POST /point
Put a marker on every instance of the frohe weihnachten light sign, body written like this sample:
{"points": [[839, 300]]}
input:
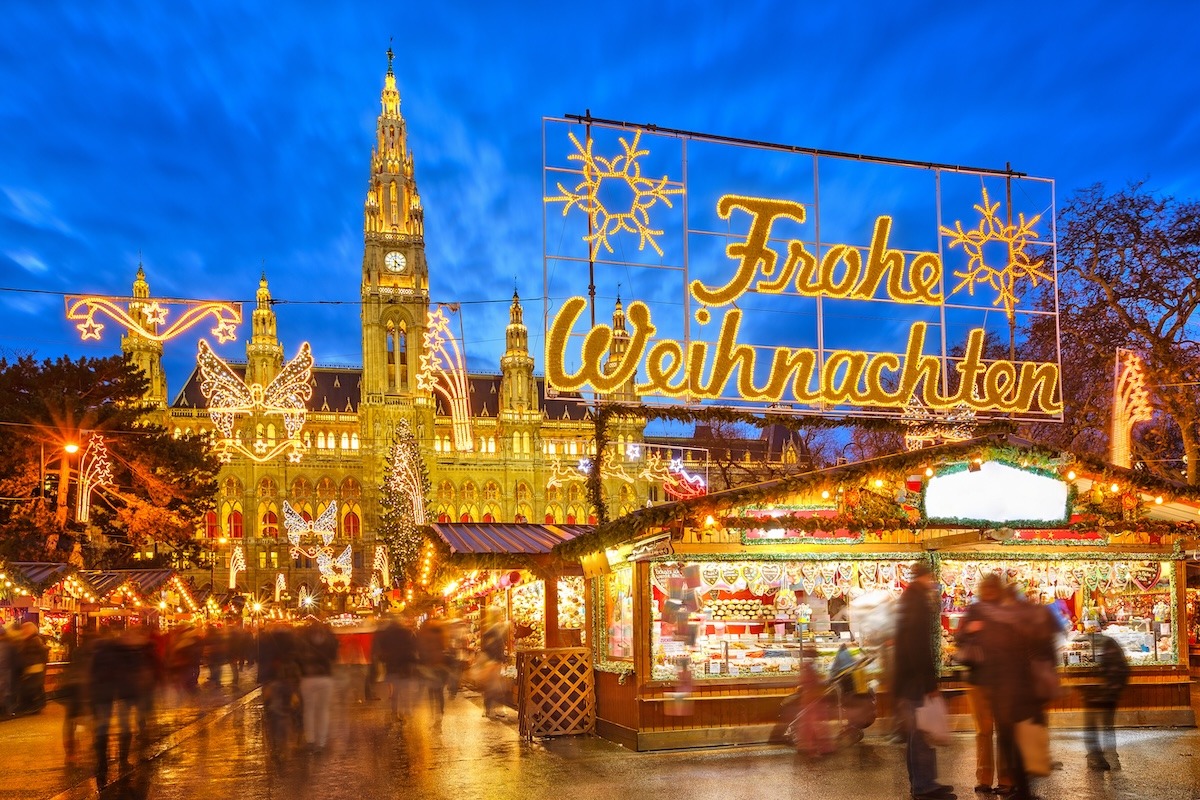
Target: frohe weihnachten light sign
{"points": [[798, 288]]}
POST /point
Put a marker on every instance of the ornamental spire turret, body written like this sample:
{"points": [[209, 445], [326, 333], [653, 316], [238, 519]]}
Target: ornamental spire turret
{"points": [[616, 352], [264, 353], [393, 204], [145, 353], [517, 385]]}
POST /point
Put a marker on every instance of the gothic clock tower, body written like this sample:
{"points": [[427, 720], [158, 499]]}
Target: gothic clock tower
{"points": [[395, 275]]}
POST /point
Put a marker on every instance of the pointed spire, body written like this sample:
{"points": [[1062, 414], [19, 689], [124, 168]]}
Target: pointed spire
{"points": [[264, 294], [390, 97], [390, 56], [516, 315]]}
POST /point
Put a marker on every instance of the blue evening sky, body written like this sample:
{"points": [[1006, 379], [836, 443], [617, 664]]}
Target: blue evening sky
{"points": [[218, 139]]}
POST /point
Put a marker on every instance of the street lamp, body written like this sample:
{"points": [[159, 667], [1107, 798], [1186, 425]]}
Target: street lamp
{"points": [[64, 475]]}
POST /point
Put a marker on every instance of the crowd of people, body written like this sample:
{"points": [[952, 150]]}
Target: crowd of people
{"points": [[411, 664], [1009, 646]]}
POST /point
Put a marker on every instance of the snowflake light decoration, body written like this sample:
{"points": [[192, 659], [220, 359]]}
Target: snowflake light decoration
{"points": [[229, 397], [1020, 265], [623, 168], [444, 370], [83, 309]]}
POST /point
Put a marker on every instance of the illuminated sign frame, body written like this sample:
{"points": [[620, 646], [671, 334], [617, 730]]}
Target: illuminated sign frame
{"points": [[635, 203]]}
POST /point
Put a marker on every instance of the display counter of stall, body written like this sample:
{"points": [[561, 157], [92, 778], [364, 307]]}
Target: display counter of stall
{"points": [[1132, 597], [707, 611]]}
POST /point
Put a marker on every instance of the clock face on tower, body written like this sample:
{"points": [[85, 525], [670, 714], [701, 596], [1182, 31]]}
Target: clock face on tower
{"points": [[395, 261]]}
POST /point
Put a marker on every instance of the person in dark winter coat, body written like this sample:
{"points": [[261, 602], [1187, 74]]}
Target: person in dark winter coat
{"points": [[122, 678], [396, 647], [915, 680], [317, 650], [990, 761], [1011, 635], [1100, 696]]}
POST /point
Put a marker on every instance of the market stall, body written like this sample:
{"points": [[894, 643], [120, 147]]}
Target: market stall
{"points": [[140, 595], [510, 578], [52, 594], [707, 611]]}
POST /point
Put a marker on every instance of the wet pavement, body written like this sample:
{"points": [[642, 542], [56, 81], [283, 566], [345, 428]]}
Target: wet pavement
{"points": [[220, 754]]}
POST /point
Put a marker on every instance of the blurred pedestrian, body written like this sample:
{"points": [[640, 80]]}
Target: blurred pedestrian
{"points": [[121, 680], [915, 680], [431, 658], [8, 665], [990, 762], [1101, 693], [493, 645], [184, 652], [279, 673], [32, 655], [317, 650], [73, 695], [1011, 634], [397, 650], [456, 655]]}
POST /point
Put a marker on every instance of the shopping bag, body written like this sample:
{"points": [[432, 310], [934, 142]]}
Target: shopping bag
{"points": [[933, 720], [1047, 687], [1033, 740]]}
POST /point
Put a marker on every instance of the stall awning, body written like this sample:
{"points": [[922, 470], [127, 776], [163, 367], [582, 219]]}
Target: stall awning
{"points": [[506, 537], [147, 581], [39, 574]]}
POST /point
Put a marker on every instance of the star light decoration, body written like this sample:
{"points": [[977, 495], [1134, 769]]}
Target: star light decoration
{"points": [[237, 563], [1131, 404], [229, 398], [444, 370], [94, 471], [84, 308], [606, 223], [1019, 266]]}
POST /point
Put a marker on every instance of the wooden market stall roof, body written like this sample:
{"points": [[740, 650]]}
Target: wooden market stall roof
{"points": [[146, 581], [1167, 503], [37, 576], [510, 538]]}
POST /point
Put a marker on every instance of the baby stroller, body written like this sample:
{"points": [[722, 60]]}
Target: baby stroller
{"points": [[825, 715]]}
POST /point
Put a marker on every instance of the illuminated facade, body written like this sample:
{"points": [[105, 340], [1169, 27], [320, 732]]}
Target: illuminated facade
{"points": [[496, 448]]}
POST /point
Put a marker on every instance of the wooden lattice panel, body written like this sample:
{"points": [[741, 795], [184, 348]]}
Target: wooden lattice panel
{"points": [[557, 692]]}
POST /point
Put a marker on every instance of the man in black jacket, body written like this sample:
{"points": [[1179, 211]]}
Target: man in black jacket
{"points": [[915, 680]]}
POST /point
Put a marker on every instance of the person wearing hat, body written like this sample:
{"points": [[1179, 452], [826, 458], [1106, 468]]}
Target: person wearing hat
{"points": [[915, 679]]}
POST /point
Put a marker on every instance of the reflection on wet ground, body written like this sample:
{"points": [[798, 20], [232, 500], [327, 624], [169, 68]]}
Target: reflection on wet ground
{"points": [[469, 756]]}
